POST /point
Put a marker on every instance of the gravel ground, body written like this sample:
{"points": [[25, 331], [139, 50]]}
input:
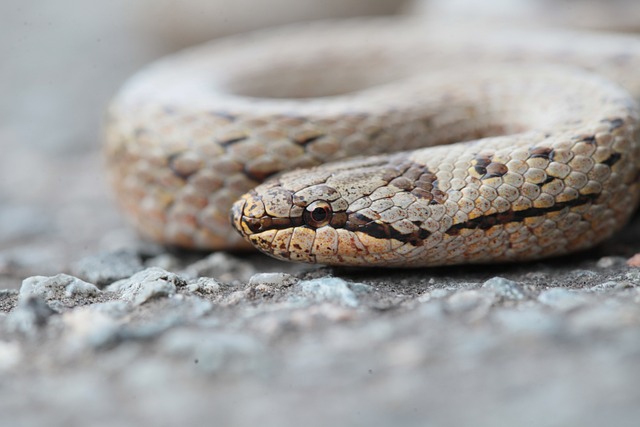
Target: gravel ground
{"points": [[99, 328]]}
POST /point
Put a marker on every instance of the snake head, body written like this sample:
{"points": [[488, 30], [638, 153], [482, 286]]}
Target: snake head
{"points": [[292, 225], [347, 213]]}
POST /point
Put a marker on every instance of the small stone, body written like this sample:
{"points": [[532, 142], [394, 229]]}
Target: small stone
{"points": [[610, 261], [438, 293], [104, 269], [606, 286], [360, 288], [562, 299], [328, 289], [235, 298], [505, 288], [277, 280], [150, 283], [264, 289], [634, 261], [204, 285], [56, 287]]}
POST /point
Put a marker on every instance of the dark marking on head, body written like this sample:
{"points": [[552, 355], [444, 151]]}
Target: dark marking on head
{"points": [[355, 220], [381, 230], [487, 221]]}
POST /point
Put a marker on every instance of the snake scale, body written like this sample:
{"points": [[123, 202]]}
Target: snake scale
{"points": [[405, 145]]}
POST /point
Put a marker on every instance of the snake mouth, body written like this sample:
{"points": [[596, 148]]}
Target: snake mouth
{"points": [[249, 218]]}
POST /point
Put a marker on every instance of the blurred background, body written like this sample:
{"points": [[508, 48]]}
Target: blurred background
{"points": [[62, 61]]}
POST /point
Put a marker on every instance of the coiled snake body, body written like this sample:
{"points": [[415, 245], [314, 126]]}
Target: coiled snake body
{"points": [[550, 162]]}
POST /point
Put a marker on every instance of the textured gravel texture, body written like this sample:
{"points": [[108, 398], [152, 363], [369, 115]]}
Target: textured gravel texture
{"points": [[99, 328]]}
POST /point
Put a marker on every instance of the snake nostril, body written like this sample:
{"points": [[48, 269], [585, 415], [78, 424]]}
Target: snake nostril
{"points": [[318, 214], [254, 224]]}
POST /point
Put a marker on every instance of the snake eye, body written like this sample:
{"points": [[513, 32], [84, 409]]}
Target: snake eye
{"points": [[317, 214]]}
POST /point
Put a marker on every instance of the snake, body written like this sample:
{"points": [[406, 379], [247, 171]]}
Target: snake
{"points": [[383, 142]]}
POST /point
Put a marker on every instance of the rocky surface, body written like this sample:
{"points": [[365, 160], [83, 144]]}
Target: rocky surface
{"points": [[99, 328], [245, 340]]}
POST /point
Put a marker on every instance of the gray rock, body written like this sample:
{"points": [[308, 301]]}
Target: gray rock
{"points": [[220, 266], [56, 287], [204, 285], [106, 268], [607, 286], [505, 288], [277, 280], [435, 294], [236, 297], [611, 261], [150, 283], [329, 289], [563, 299], [360, 288]]}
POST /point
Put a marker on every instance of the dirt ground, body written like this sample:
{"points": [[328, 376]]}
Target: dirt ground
{"points": [[98, 327]]}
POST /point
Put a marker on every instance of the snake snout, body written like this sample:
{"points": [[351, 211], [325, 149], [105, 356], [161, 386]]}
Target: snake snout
{"points": [[236, 215]]}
